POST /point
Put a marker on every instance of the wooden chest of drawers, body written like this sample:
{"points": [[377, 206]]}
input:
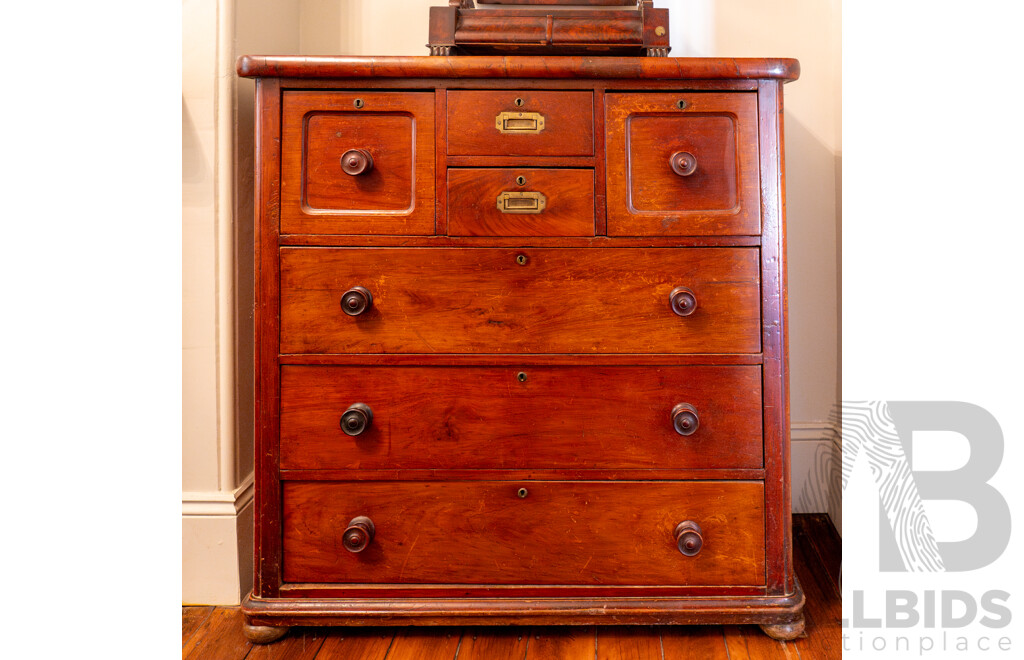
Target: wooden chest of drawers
{"points": [[521, 343]]}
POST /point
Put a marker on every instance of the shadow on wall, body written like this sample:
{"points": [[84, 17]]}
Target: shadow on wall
{"points": [[813, 307], [194, 167]]}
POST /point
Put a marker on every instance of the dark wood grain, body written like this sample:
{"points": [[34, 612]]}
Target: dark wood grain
{"points": [[353, 643], [482, 300], [693, 643], [220, 636], [488, 418], [564, 643], [472, 195], [191, 619], [425, 644], [568, 128], [396, 196], [559, 533], [636, 643], [645, 195], [494, 643], [515, 67]]}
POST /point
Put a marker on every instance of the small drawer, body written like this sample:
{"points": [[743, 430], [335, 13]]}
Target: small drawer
{"points": [[703, 533], [357, 163], [520, 202], [520, 123], [524, 417], [520, 300], [683, 164]]}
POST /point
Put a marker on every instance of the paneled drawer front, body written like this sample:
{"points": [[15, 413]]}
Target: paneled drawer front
{"points": [[682, 171], [520, 123], [357, 163], [520, 202], [526, 417], [520, 300], [582, 533]]}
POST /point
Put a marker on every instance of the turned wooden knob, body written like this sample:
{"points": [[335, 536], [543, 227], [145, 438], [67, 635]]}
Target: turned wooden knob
{"points": [[358, 534], [356, 161], [683, 301], [356, 419], [356, 300], [683, 163], [685, 419], [689, 538]]}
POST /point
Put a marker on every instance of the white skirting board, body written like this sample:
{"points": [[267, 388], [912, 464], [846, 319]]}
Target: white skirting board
{"points": [[216, 546], [816, 464], [216, 528]]}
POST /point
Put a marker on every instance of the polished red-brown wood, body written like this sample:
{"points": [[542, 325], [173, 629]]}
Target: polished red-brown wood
{"points": [[266, 312], [357, 162], [462, 29], [774, 303], [556, 317], [638, 69], [651, 137], [520, 301], [568, 195], [521, 417], [568, 123], [555, 533]]}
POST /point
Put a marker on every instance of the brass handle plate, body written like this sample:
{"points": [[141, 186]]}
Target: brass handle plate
{"points": [[522, 202], [522, 123]]}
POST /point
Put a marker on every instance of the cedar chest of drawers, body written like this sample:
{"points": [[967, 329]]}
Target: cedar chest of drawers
{"points": [[521, 343]]}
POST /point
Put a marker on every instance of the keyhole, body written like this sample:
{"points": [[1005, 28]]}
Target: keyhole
{"points": [[358, 103], [521, 180], [681, 104], [519, 103]]}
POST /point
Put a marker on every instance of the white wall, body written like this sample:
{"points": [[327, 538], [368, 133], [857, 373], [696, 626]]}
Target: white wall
{"points": [[217, 231]]}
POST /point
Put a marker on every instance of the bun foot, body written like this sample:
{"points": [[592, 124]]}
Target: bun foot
{"points": [[263, 634], [784, 632]]}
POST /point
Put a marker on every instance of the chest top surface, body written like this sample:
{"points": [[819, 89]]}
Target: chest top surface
{"points": [[651, 68]]}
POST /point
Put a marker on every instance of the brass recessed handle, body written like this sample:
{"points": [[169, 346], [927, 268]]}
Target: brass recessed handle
{"points": [[689, 538], [356, 301], [356, 161], [523, 123], [357, 419], [685, 419], [683, 163], [522, 202], [358, 535]]}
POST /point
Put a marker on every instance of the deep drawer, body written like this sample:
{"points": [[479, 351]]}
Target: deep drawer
{"points": [[599, 418], [520, 123], [521, 300], [520, 202], [572, 533]]}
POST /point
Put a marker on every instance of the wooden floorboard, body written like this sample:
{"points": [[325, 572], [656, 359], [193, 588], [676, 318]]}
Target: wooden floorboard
{"points": [[215, 633], [191, 619]]}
